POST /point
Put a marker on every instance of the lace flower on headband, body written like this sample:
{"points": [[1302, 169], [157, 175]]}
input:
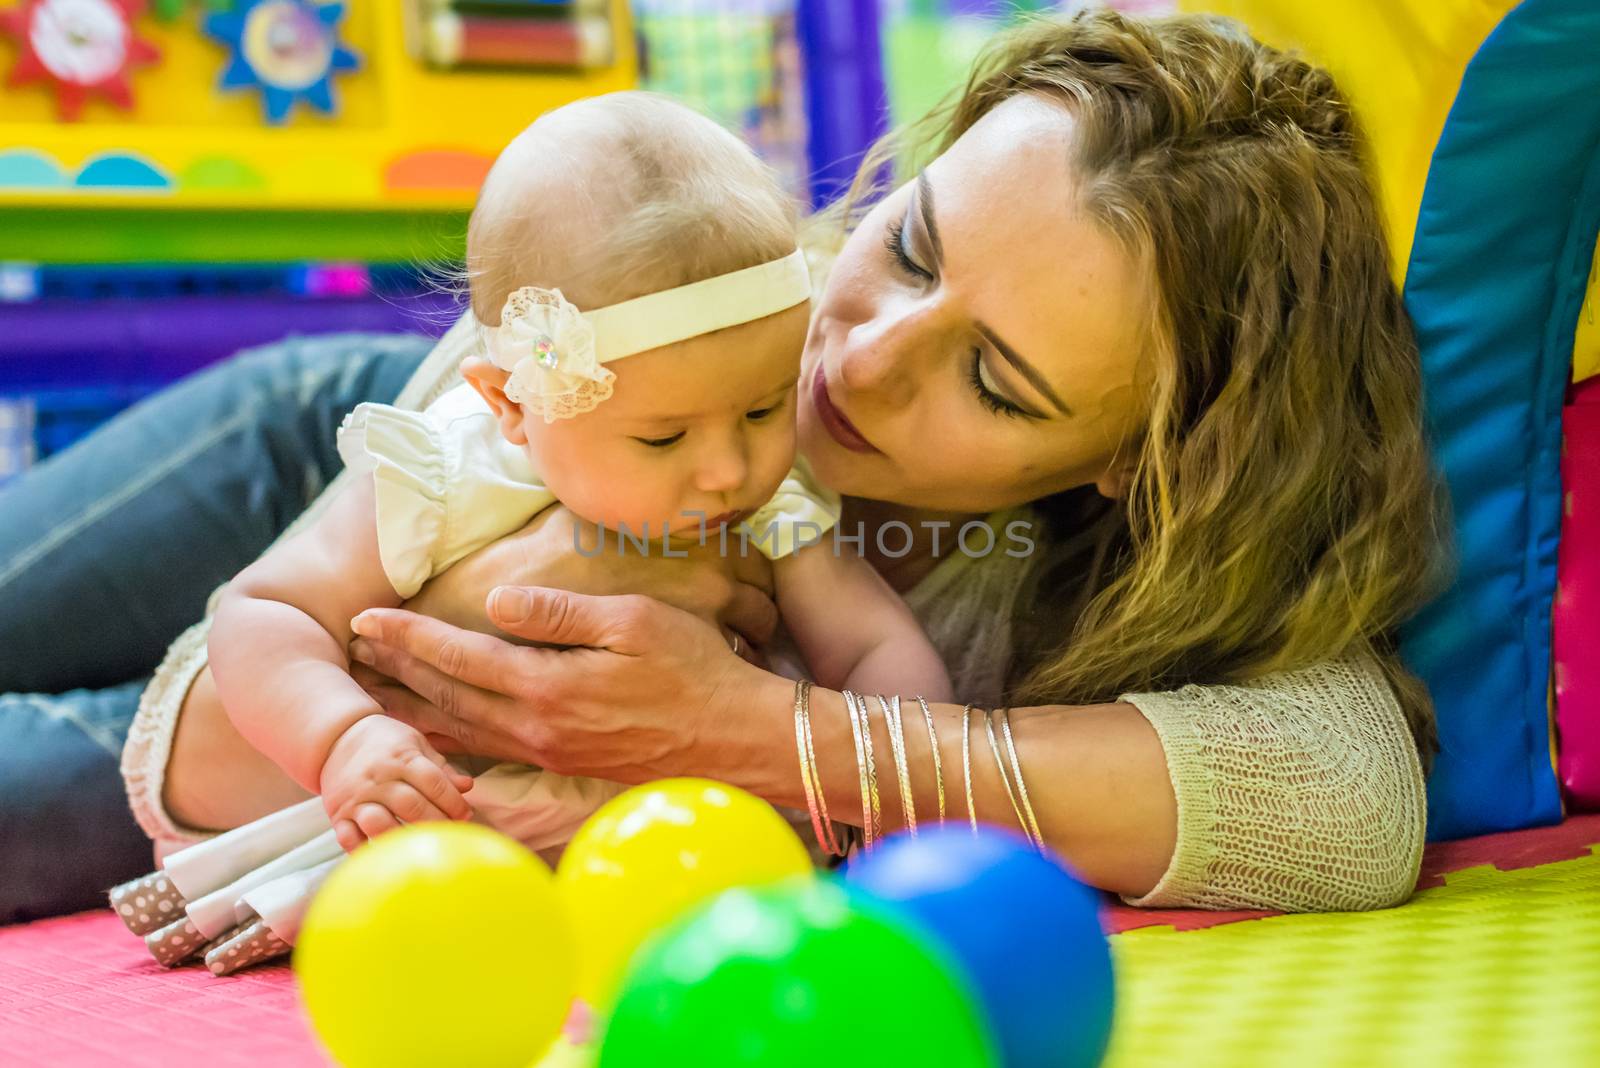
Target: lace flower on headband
{"points": [[549, 349]]}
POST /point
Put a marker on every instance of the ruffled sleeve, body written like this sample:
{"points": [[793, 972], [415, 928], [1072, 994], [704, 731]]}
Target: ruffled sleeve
{"points": [[799, 514], [447, 482], [405, 454]]}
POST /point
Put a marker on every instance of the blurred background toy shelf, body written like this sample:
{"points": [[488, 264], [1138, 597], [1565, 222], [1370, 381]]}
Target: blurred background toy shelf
{"points": [[180, 179]]}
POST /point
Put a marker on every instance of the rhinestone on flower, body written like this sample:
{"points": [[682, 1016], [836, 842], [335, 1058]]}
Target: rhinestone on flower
{"points": [[544, 350]]}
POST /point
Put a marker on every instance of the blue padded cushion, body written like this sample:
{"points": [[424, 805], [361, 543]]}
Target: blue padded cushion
{"points": [[1503, 243]]}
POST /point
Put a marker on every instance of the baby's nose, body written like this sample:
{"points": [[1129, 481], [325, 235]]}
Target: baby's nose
{"points": [[722, 471]]}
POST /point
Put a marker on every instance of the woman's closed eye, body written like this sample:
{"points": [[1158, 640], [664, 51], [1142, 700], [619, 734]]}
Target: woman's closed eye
{"points": [[988, 391], [895, 242]]}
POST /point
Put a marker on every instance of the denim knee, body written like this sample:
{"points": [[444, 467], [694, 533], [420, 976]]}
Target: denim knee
{"points": [[66, 835]]}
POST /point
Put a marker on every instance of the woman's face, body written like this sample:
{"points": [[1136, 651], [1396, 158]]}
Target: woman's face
{"points": [[978, 341]]}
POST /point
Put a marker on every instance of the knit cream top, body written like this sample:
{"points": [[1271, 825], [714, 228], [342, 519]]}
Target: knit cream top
{"points": [[1300, 791]]}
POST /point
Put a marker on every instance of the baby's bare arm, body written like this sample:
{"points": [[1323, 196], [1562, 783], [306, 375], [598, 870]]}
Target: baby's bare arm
{"points": [[853, 630], [277, 645]]}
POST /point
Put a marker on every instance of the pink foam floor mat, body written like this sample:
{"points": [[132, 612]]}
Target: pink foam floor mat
{"points": [[80, 991]]}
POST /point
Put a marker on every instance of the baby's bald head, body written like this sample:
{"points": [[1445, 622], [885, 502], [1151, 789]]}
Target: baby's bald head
{"points": [[617, 196]]}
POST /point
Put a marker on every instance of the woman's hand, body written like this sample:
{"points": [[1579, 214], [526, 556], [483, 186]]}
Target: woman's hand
{"points": [[731, 590], [645, 690]]}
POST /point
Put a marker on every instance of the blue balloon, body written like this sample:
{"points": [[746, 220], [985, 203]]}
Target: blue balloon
{"points": [[1025, 931]]}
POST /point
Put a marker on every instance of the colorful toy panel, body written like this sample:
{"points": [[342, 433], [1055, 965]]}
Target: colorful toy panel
{"points": [[284, 104]]}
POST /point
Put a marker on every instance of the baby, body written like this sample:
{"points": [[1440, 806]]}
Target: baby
{"points": [[643, 306]]}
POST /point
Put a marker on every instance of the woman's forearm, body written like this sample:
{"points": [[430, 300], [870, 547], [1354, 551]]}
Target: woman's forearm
{"points": [[1096, 775]]}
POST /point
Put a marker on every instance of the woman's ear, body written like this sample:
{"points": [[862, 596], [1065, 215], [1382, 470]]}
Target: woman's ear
{"points": [[490, 382], [1117, 478]]}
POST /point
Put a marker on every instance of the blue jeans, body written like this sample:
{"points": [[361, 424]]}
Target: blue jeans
{"points": [[109, 550]]}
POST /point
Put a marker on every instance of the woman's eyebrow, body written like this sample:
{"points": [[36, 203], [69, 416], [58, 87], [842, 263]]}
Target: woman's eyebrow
{"points": [[1025, 369], [1022, 367]]}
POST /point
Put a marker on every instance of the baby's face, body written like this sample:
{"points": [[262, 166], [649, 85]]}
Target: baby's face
{"points": [[704, 426]]}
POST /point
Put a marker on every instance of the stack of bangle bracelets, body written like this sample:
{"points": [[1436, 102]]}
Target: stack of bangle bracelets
{"points": [[835, 839]]}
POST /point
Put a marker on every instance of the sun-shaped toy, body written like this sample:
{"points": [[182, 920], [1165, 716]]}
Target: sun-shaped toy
{"points": [[289, 49], [83, 46]]}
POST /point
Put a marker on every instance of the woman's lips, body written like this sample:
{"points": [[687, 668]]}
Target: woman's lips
{"points": [[833, 421]]}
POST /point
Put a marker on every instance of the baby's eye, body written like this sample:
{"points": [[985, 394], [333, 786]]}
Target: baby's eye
{"points": [[758, 414], [660, 443]]}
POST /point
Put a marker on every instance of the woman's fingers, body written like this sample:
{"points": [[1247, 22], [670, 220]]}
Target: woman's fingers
{"points": [[454, 717], [558, 617], [751, 613], [443, 693], [368, 678], [477, 659]]}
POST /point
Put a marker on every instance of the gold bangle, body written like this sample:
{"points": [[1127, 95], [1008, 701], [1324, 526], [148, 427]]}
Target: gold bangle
{"points": [[832, 843], [809, 778], [1022, 787], [1005, 777], [861, 728], [897, 746], [966, 765], [933, 743], [872, 770]]}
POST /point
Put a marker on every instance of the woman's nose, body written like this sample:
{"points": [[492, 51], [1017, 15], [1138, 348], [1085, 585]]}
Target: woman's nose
{"points": [[880, 356]]}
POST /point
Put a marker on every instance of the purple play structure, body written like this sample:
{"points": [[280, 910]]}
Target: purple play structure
{"points": [[70, 362]]}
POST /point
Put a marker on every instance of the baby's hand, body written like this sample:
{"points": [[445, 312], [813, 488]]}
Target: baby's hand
{"points": [[382, 773]]}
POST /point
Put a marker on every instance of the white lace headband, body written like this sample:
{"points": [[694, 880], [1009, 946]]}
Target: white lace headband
{"points": [[555, 353]]}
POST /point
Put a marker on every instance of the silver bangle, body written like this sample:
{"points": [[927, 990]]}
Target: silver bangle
{"points": [[897, 746], [966, 765], [1005, 776], [1022, 787], [861, 728], [933, 743]]}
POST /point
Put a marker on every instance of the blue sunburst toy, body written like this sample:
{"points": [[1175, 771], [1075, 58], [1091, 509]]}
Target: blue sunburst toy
{"points": [[289, 49]]}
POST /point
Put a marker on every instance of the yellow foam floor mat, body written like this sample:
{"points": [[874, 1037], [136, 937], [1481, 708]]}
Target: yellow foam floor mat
{"points": [[1492, 968]]}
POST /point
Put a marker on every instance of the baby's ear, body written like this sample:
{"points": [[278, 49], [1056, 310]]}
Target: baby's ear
{"points": [[490, 382]]}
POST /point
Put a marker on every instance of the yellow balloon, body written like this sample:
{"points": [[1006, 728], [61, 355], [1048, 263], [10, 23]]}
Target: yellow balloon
{"points": [[439, 943], [649, 854]]}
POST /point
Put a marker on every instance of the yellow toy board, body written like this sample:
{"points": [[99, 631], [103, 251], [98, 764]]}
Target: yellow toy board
{"points": [[403, 135]]}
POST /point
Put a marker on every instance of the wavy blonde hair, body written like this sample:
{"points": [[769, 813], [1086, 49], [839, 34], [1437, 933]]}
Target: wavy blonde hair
{"points": [[1282, 509]]}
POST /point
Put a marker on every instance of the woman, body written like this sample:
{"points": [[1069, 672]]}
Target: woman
{"points": [[1139, 304]]}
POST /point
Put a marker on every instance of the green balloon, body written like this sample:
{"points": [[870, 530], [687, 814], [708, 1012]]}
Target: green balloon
{"points": [[795, 973]]}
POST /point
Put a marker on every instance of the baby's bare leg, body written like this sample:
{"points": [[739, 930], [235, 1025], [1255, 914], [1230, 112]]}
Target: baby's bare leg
{"points": [[215, 779]]}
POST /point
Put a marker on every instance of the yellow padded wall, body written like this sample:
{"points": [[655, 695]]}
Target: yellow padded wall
{"points": [[1400, 62], [1586, 346]]}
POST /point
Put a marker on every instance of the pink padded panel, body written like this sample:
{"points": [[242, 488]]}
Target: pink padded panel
{"points": [[1577, 605]]}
